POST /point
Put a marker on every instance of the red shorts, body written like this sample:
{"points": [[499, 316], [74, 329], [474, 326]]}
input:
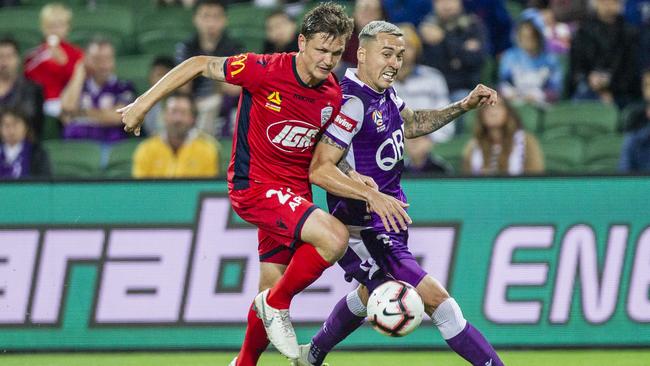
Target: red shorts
{"points": [[279, 214]]}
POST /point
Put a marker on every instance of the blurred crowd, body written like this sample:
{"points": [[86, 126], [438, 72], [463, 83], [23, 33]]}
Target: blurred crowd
{"points": [[573, 77]]}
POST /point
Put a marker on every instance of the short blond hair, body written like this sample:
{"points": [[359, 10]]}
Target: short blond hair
{"points": [[57, 11]]}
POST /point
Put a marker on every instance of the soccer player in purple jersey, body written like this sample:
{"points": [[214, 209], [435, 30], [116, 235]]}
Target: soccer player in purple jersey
{"points": [[371, 127]]}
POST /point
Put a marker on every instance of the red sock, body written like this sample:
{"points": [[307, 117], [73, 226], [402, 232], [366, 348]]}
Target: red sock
{"points": [[305, 268], [255, 341]]}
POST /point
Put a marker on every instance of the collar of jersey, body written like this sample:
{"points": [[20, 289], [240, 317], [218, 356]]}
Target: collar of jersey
{"points": [[351, 74], [295, 73]]}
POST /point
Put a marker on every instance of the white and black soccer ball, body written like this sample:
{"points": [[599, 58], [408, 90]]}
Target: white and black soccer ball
{"points": [[395, 308]]}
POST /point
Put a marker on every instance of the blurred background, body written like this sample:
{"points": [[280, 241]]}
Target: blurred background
{"points": [[534, 212]]}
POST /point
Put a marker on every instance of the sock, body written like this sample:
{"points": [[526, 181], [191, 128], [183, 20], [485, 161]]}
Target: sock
{"points": [[255, 341], [462, 337], [348, 315], [305, 268]]}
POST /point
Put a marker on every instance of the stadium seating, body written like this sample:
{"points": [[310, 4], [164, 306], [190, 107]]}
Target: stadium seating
{"points": [[452, 151], [74, 159], [113, 22], [161, 41], [120, 159], [583, 119], [23, 25], [602, 153], [562, 154], [530, 117], [136, 69]]}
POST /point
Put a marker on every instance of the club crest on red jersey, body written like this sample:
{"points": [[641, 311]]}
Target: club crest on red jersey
{"points": [[326, 114], [291, 135]]}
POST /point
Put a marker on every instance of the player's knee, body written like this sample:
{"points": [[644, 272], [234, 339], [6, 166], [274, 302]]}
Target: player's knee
{"points": [[339, 239], [333, 239], [432, 293]]}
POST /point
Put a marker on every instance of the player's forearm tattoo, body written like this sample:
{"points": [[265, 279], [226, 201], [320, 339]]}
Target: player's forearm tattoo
{"points": [[423, 122], [329, 141], [344, 166]]}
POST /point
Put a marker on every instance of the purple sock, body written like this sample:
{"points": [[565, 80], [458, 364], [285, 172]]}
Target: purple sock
{"points": [[341, 323], [472, 346]]}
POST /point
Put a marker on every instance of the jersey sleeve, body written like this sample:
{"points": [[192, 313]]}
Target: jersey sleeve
{"points": [[397, 100], [246, 70], [348, 122]]}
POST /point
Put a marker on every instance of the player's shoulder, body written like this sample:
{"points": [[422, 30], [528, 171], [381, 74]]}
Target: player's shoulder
{"points": [[353, 107]]}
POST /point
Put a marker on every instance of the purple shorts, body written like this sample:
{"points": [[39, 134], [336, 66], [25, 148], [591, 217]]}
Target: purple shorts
{"points": [[376, 256]]}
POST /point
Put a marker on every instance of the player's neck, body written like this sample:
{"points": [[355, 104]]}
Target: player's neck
{"points": [[368, 81], [303, 72]]}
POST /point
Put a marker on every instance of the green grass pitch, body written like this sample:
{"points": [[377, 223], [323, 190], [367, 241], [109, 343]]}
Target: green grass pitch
{"points": [[341, 358]]}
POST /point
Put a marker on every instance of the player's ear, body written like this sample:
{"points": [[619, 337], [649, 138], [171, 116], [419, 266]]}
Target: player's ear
{"points": [[302, 43], [361, 54]]}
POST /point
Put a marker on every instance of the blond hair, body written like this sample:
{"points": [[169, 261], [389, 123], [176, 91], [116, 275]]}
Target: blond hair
{"points": [[55, 11]]}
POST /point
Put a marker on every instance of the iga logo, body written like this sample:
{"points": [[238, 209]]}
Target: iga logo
{"points": [[291, 135]]}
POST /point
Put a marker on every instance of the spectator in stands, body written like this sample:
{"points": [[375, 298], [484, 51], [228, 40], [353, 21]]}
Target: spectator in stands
{"points": [[20, 155], [421, 87], [365, 11], [182, 151], [153, 123], [91, 98], [497, 21], [500, 145], [52, 63], [569, 11], [16, 91], [637, 12], [604, 63], [406, 11], [454, 43], [528, 73], [210, 39], [281, 35], [557, 34], [635, 155]]}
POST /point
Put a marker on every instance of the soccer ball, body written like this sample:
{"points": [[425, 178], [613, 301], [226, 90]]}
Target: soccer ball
{"points": [[395, 308]]}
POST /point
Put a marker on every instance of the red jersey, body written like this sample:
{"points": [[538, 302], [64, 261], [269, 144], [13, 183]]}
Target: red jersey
{"points": [[41, 68], [279, 119]]}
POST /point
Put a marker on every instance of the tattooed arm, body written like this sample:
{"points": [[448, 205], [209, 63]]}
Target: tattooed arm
{"points": [[210, 67], [325, 173], [422, 122]]}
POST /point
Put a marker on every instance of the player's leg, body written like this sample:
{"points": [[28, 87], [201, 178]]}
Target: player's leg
{"points": [[255, 340], [346, 317], [350, 312], [459, 334], [327, 239], [273, 262]]}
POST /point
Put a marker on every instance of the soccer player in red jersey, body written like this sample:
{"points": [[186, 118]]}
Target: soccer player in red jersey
{"points": [[286, 101]]}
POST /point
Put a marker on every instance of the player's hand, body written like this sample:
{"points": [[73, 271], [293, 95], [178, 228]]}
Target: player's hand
{"points": [[390, 210], [132, 117], [479, 97], [354, 175]]}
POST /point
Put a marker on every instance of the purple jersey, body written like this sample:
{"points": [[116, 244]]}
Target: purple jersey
{"points": [[371, 127], [113, 93]]}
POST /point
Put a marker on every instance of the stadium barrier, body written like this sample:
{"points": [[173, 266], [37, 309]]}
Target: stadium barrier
{"points": [[534, 262]]}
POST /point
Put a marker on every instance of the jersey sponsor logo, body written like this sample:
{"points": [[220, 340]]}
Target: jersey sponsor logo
{"points": [[291, 135], [304, 98], [237, 64], [273, 101], [378, 119], [345, 122], [391, 151], [326, 114]]}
